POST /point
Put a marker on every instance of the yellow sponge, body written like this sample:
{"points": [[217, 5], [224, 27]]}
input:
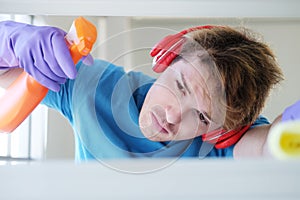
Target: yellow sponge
{"points": [[284, 140]]}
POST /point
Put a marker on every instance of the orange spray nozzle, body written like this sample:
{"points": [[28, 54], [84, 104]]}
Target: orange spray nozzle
{"points": [[81, 38], [25, 93]]}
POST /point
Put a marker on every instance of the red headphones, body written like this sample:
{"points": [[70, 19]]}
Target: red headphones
{"points": [[164, 52]]}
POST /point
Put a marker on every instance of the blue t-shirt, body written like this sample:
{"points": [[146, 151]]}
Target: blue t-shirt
{"points": [[103, 105]]}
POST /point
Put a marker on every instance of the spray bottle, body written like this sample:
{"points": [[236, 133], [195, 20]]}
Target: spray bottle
{"points": [[25, 93]]}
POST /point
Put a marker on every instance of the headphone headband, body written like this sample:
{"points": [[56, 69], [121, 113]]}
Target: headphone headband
{"points": [[166, 50]]}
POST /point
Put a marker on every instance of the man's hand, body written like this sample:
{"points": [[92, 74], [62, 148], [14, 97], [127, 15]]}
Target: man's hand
{"points": [[292, 112], [40, 50]]}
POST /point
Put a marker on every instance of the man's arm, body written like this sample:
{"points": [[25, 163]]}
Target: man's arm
{"points": [[254, 142]]}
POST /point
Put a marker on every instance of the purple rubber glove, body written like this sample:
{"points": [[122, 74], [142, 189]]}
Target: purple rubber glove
{"points": [[292, 112], [40, 50]]}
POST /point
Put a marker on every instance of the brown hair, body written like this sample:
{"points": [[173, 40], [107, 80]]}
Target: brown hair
{"points": [[248, 70]]}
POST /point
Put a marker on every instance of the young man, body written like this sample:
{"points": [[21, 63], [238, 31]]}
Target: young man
{"points": [[213, 86]]}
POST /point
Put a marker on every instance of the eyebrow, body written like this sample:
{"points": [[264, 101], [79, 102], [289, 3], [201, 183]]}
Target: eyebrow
{"points": [[188, 89], [184, 83]]}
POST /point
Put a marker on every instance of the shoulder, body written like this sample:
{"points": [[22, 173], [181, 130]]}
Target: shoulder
{"points": [[252, 142], [97, 67], [261, 120]]}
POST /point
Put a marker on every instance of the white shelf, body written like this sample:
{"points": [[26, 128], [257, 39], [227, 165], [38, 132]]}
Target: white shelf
{"points": [[133, 179], [169, 8]]}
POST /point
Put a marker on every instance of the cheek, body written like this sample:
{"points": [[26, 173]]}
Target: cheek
{"points": [[156, 97], [160, 94], [190, 127]]}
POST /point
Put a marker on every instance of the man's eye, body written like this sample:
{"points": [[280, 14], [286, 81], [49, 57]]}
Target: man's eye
{"points": [[180, 87], [202, 118]]}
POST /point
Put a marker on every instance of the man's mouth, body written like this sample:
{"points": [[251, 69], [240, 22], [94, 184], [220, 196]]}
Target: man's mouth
{"points": [[157, 125]]}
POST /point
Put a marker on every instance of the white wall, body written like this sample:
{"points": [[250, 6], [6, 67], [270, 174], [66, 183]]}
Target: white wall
{"points": [[281, 34], [119, 34]]}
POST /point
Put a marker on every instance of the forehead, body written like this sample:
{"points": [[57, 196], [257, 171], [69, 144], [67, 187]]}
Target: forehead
{"points": [[205, 86], [197, 75]]}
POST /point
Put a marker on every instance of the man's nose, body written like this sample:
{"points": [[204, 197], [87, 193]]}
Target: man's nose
{"points": [[173, 114]]}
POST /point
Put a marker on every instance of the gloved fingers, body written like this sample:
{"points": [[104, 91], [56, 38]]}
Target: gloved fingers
{"points": [[46, 81], [44, 54], [48, 56], [63, 56], [292, 112], [33, 59], [47, 52], [27, 63], [42, 66]]}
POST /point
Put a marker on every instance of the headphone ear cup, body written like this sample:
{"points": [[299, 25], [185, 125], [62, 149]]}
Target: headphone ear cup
{"points": [[231, 138], [234, 138], [164, 57], [166, 43], [223, 139], [166, 50]]}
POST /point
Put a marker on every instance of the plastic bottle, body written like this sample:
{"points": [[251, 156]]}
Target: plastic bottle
{"points": [[25, 93]]}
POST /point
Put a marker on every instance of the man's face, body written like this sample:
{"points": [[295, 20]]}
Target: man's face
{"points": [[179, 106]]}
